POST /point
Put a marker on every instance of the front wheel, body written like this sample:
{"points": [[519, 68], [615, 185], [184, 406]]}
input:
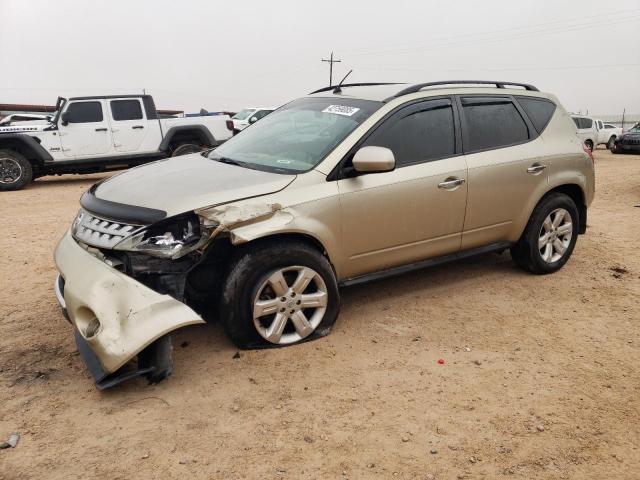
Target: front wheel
{"points": [[550, 236], [278, 294], [611, 143], [15, 171]]}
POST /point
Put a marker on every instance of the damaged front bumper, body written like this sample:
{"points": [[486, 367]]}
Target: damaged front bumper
{"points": [[115, 316]]}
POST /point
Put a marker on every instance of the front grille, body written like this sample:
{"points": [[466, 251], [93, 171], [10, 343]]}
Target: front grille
{"points": [[99, 232]]}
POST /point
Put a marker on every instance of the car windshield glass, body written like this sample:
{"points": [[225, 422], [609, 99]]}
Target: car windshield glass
{"points": [[244, 114], [297, 136]]}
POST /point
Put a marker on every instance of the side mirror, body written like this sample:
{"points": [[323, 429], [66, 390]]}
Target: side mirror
{"points": [[374, 160], [64, 119], [253, 119]]}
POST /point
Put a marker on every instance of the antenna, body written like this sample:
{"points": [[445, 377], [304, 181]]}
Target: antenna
{"points": [[338, 89]]}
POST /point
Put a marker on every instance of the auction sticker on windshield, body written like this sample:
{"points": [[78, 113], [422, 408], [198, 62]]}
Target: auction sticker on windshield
{"points": [[340, 110]]}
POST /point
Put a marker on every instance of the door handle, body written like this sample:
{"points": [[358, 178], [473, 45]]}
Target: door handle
{"points": [[137, 126], [451, 183], [536, 168], [101, 129]]}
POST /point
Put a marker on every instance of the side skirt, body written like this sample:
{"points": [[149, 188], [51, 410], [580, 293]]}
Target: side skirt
{"points": [[392, 272]]}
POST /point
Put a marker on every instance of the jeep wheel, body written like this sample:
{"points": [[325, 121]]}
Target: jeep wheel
{"points": [[550, 236], [611, 143], [15, 171], [278, 294], [186, 149]]}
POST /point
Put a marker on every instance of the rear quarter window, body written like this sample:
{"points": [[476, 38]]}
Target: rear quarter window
{"points": [[538, 110]]}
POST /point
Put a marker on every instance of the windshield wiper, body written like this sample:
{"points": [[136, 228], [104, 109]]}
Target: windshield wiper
{"points": [[230, 161]]}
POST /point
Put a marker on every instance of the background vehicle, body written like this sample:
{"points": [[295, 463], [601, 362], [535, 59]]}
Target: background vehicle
{"points": [[629, 141], [587, 130], [92, 134], [246, 117], [330, 189], [607, 133]]}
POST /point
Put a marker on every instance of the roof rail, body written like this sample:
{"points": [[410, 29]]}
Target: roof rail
{"points": [[420, 86], [371, 84]]}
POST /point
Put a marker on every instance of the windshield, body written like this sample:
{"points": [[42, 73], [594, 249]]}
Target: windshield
{"points": [[298, 136], [244, 114]]}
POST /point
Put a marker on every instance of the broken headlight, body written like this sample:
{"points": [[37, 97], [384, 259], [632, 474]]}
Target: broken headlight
{"points": [[171, 238]]}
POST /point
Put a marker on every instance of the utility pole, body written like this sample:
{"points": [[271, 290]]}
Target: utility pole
{"points": [[624, 110], [331, 61]]}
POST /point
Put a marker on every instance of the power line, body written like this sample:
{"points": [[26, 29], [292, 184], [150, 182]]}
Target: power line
{"points": [[490, 37], [331, 62], [508, 69]]}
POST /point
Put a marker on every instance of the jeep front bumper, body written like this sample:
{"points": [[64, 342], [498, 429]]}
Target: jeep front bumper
{"points": [[115, 316]]}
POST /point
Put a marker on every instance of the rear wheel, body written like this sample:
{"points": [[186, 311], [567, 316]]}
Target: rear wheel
{"points": [[186, 149], [589, 144], [550, 236], [15, 171], [278, 294]]}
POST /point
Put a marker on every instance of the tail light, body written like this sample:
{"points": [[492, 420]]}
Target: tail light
{"points": [[230, 125], [588, 151]]}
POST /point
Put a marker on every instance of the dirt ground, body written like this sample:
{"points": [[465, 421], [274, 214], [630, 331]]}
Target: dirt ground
{"points": [[540, 379]]}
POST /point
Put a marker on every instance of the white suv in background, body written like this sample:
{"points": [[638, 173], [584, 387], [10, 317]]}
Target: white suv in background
{"points": [[587, 131], [246, 117]]}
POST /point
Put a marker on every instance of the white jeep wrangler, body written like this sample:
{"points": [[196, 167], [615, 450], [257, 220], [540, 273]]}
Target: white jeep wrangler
{"points": [[95, 134]]}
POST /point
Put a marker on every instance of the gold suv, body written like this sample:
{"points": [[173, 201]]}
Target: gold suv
{"points": [[346, 184]]}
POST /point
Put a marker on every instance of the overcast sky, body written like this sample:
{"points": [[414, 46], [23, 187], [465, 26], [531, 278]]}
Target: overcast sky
{"points": [[224, 55]]}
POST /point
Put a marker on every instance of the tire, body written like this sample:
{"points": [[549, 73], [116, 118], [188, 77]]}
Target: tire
{"points": [[589, 144], [16, 171], [157, 355], [611, 143], [532, 248], [249, 281], [615, 149], [186, 149]]}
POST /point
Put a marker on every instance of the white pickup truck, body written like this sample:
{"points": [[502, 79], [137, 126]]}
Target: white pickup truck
{"points": [[94, 134], [607, 133]]}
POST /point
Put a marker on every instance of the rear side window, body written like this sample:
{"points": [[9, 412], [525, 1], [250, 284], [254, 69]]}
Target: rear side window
{"points": [[576, 121], [492, 123], [418, 133], [538, 110], [84, 112], [126, 110]]}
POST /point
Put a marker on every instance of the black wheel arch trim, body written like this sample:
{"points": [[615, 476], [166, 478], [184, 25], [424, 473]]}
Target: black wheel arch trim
{"points": [[36, 151], [200, 129]]}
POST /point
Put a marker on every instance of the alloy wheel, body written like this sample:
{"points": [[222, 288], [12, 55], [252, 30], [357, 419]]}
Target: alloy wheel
{"points": [[289, 304], [10, 170], [555, 235]]}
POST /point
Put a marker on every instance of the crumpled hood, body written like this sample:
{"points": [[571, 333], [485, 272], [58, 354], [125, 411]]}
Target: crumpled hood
{"points": [[188, 182]]}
